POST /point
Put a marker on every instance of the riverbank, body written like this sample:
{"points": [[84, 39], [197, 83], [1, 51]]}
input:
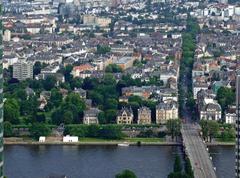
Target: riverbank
{"points": [[105, 142], [96, 143], [93, 141], [221, 144]]}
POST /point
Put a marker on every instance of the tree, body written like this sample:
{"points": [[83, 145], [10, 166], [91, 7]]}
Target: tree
{"points": [[113, 68], [101, 118], [56, 97], [49, 82], [40, 117], [75, 99], [39, 129], [146, 133], [213, 128], [76, 83], [210, 129], [57, 117], [110, 115], [93, 130], [89, 83], [35, 84], [173, 127], [70, 110], [12, 111], [111, 132], [111, 103], [204, 126], [191, 102], [188, 168], [78, 130], [225, 97], [177, 164], [8, 130], [31, 101], [37, 68], [126, 174], [109, 79], [68, 117], [136, 99], [176, 175], [96, 97], [20, 94], [103, 49], [67, 72]]}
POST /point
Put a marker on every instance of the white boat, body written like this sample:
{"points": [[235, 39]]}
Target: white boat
{"points": [[124, 144]]}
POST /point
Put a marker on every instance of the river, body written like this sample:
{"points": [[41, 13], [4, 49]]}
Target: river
{"points": [[102, 162], [224, 160]]}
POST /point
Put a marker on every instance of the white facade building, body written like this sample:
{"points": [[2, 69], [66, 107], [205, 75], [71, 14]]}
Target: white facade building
{"points": [[23, 70], [70, 139]]}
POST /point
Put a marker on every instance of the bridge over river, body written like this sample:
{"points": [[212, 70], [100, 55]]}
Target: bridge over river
{"points": [[197, 152]]}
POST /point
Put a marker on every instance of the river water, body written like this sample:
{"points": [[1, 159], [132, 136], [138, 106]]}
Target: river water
{"points": [[102, 162]]}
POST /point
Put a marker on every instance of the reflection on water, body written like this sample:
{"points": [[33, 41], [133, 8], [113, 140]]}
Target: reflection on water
{"points": [[223, 160], [88, 161], [103, 161]]}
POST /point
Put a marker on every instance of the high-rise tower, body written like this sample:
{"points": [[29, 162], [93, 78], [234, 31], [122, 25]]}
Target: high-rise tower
{"points": [[1, 95], [237, 167]]}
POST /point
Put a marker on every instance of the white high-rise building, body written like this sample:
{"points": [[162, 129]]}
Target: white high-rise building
{"points": [[23, 70], [7, 35]]}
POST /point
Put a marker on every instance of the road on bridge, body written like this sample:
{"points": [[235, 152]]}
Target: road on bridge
{"points": [[197, 152], [195, 148]]}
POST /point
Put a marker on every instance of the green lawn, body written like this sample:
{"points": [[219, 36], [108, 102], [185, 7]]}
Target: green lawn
{"points": [[87, 139], [230, 140], [145, 139], [125, 139]]}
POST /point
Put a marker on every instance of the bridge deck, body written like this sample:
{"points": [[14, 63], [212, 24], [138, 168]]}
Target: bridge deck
{"points": [[197, 152]]}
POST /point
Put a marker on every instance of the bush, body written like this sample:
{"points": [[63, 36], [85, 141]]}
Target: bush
{"points": [[39, 129], [161, 134], [146, 134], [111, 132], [8, 129], [95, 131], [76, 130]]}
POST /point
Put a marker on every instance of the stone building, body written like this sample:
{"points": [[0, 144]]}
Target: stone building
{"points": [[166, 111], [211, 111], [125, 116], [144, 115], [91, 116]]}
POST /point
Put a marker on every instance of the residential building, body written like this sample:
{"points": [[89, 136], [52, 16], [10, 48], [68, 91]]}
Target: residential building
{"points": [[125, 62], [91, 116], [197, 87], [23, 70], [125, 116], [166, 111], [144, 115], [77, 70], [7, 35], [230, 115], [82, 93]]}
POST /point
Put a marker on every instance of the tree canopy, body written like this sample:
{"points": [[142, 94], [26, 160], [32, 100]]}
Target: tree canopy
{"points": [[126, 174]]}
